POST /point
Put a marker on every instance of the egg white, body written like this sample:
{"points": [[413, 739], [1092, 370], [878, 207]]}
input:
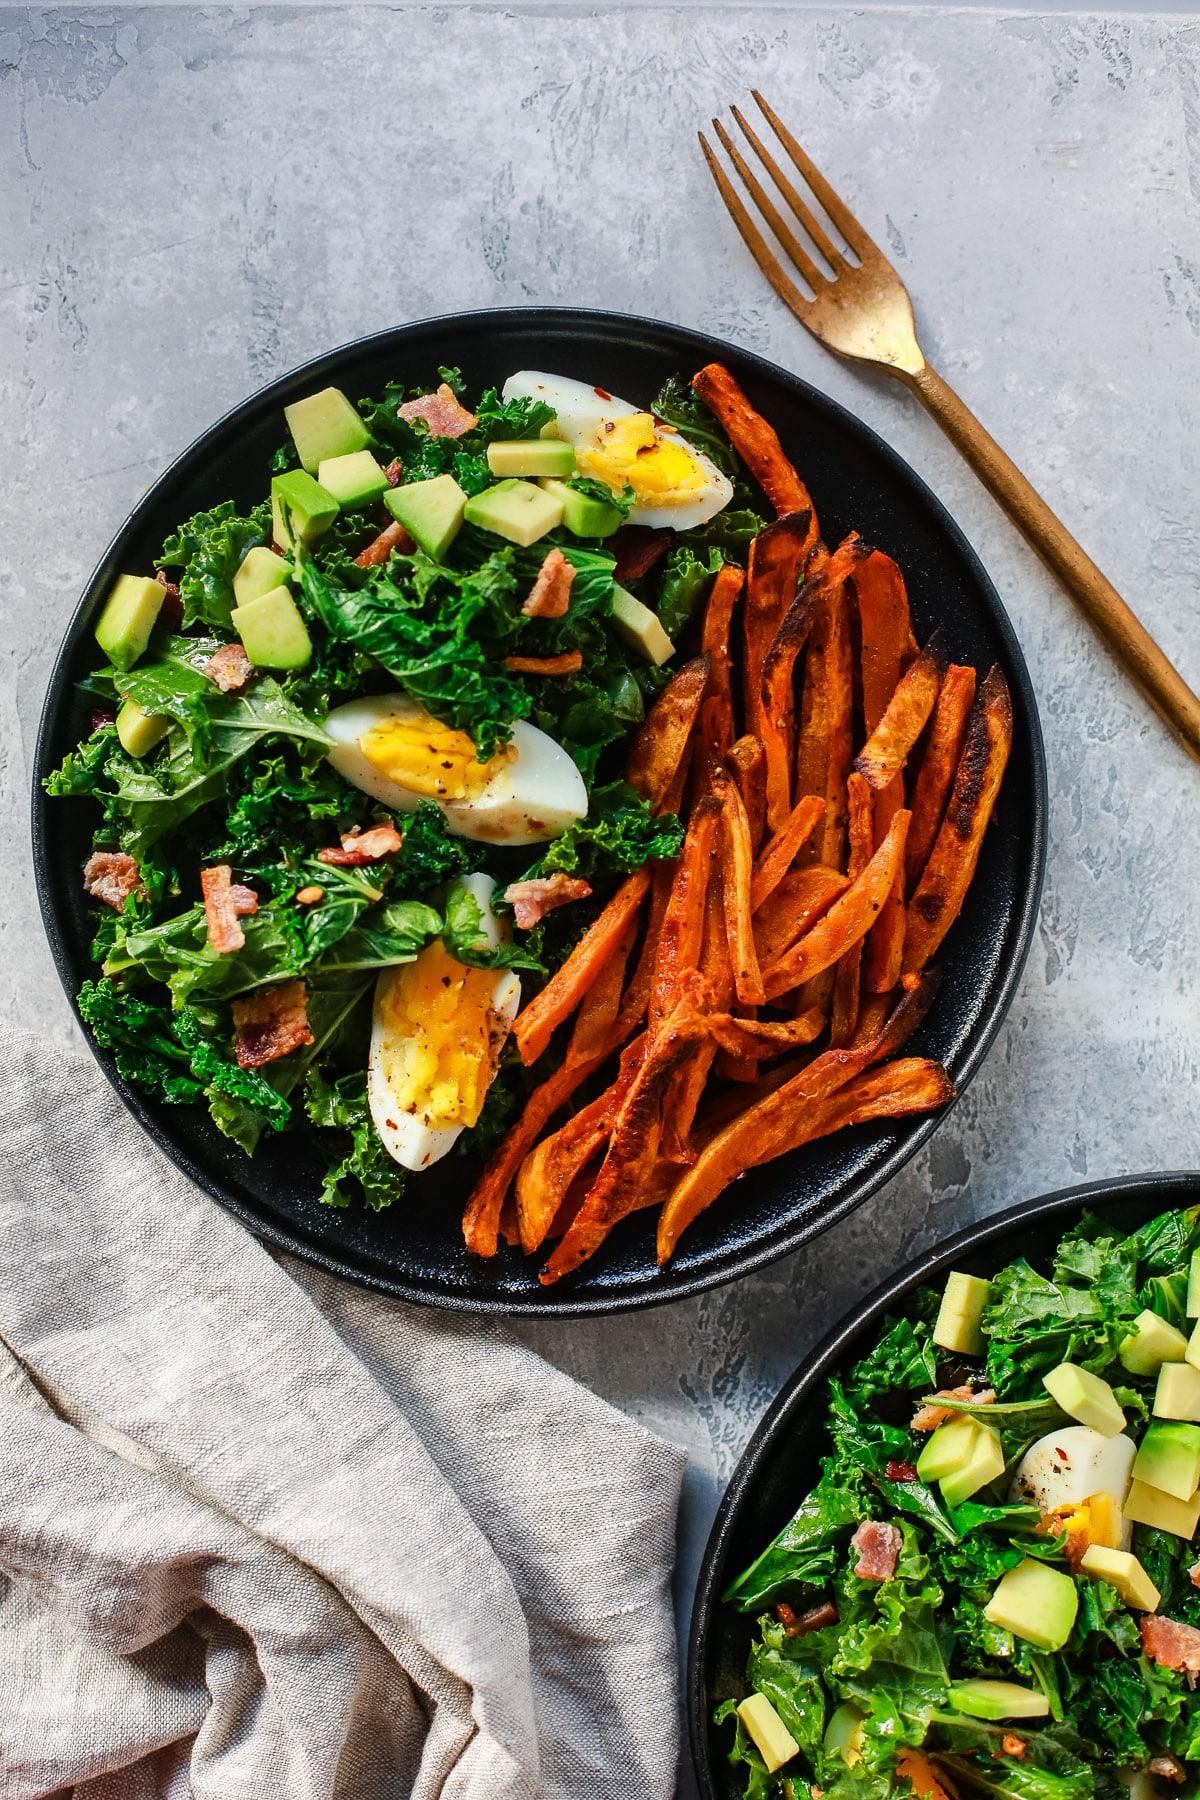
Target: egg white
{"points": [[534, 796], [581, 413], [405, 1135], [1067, 1467]]}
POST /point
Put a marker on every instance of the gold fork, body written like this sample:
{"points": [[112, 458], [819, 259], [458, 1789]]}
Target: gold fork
{"points": [[861, 309]]}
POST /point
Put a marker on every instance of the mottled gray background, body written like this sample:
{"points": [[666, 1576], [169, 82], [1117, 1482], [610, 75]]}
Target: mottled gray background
{"points": [[193, 201]]}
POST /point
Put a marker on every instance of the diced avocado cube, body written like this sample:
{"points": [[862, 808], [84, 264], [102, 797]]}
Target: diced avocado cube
{"points": [[1146, 1505], [949, 1448], [139, 730], [1124, 1573], [1192, 1353], [272, 631], [772, 1739], [1193, 1291], [986, 1699], [985, 1464], [310, 510], [641, 629], [323, 426], [957, 1327], [1150, 1344], [354, 480], [583, 515], [1036, 1603], [259, 572], [844, 1733], [1169, 1458], [531, 456], [517, 510], [1086, 1397], [1177, 1395], [129, 616], [431, 511]]}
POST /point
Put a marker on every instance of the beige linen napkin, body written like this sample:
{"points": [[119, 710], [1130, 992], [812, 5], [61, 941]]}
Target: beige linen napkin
{"points": [[267, 1535]]}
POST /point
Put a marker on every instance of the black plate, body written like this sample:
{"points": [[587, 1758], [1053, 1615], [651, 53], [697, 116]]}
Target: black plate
{"points": [[781, 1462], [416, 1251]]}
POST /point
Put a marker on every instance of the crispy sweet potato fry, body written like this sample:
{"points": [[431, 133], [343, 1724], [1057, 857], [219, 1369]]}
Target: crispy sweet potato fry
{"points": [[545, 1177], [888, 646], [775, 570], [936, 774], [839, 726], [569, 663], [748, 764], [717, 718], [943, 887], [594, 1039], [758, 1039], [737, 873], [755, 441], [637, 1128], [794, 907], [781, 851], [566, 988], [688, 1083], [682, 931], [873, 1010], [844, 1005], [847, 920], [887, 749], [658, 749]]}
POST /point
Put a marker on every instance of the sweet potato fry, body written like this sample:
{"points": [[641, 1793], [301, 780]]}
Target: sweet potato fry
{"points": [[779, 1121], [757, 1039], [775, 570], [800, 899], [844, 1003], [566, 988], [592, 1041], [717, 718], [755, 441], [886, 751], [839, 726], [637, 1128], [936, 773], [781, 851], [737, 872], [748, 764], [688, 1083], [888, 646], [569, 663], [776, 712], [545, 1177], [873, 1010], [847, 920], [943, 887], [682, 931], [658, 749]]}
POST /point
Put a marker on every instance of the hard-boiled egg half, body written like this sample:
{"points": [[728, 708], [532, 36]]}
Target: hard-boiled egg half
{"points": [[674, 484], [1081, 1477], [436, 1036], [391, 749]]}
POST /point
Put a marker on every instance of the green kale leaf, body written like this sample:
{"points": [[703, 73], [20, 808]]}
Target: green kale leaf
{"points": [[209, 550]]}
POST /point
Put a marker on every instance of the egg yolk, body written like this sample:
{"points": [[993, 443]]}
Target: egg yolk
{"points": [[428, 758], [633, 451], [1097, 1521], [438, 1038]]}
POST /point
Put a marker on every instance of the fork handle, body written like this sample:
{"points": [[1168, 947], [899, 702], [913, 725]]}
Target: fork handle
{"points": [[1128, 638]]}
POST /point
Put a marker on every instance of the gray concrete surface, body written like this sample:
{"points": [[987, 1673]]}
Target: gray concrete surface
{"points": [[193, 201]]}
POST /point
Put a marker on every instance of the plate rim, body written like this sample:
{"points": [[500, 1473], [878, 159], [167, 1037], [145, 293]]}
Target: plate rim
{"points": [[824, 1357], [626, 328]]}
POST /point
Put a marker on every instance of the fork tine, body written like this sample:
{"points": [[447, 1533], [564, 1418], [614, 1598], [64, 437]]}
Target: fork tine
{"points": [[834, 205], [770, 265], [771, 213], [803, 212]]}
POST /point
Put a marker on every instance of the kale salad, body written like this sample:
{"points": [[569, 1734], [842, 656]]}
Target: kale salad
{"points": [[993, 1587], [355, 754]]}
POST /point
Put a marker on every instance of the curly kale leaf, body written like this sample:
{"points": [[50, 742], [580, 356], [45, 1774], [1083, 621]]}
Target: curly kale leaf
{"points": [[365, 1165], [464, 937], [431, 854], [1078, 1314], [208, 550], [619, 834]]}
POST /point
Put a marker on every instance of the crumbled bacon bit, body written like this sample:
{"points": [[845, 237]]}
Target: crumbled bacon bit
{"points": [[310, 896], [171, 611], [230, 668], [441, 411], [363, 847], [394, 471], [103, 718], [898, 1470], [569, 663], [271, 1023], [550, 595], [929, 1416], [111, 876], [1012, 1745], [224, 903], [1168, 1642], [878, 1547], [532, 900], [1168, 1766], [637, 548], [391, 539], [815, 1619]]}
